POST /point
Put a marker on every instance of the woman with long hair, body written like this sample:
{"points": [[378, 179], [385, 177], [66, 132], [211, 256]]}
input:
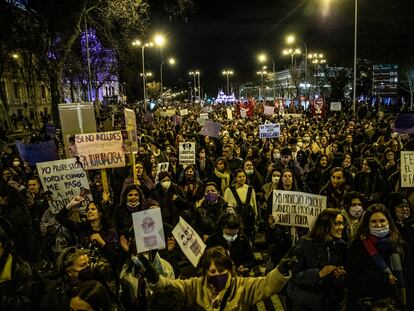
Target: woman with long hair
{"points": [[222, 174], [378, 265]]}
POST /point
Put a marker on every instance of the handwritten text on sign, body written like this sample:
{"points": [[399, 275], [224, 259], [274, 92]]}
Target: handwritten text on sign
{"points": [[64, 179], [299, 209], [407, 169], [100, 150], [269, 130]]}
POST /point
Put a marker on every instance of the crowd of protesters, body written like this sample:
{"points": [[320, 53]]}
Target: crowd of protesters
{"points": [[357, 256]]}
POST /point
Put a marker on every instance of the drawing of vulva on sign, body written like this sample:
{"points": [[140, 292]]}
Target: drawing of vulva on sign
{"points": [[100, 150]]}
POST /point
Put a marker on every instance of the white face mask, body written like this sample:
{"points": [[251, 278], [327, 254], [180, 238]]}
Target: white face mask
{"points": [[16, 163], [275, 179], [356, 211], [229, 238], [276, 155], [380, 232], [166, 184], [249, 172]]}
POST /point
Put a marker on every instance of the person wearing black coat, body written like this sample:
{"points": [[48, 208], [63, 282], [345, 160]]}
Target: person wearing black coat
{"points": [[171, 199], [318, 279]]}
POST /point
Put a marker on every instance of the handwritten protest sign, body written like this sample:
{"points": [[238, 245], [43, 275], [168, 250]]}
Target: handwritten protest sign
{"points": [[64, 179], [148, 230], [211, 128], [131, 127], [407, 169], [189, 241], [229, 114], [298, 209], [35, 153], [187, 153], [269, 130], [268, 110], [183, 112], [335, 106], [100, 150]]}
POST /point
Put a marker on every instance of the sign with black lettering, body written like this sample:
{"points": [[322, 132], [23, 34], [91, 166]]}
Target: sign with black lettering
{"points": [[64, 179], [100, 150], [187, 153], [269, 130], [297, 209], [407, 169]]}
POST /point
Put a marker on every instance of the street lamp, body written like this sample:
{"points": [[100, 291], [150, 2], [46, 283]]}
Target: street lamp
{"points": [[194, 74], [292, 53], [261, 73], [228, 73], [159, 41], [291, 39], [171, 61], [262, 58]]}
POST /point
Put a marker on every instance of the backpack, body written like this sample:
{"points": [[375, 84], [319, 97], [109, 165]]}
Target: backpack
{"points": [[245, 210]]}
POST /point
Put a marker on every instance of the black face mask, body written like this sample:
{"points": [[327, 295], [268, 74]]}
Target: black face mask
{"points": [[85, 274], [218, 281]]}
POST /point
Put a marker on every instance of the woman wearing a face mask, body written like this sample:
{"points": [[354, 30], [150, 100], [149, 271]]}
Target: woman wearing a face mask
{"points": [[231, 237], [353, 212], [208, 211], [378, 264], [219, 288], [253, 177], [171, 197]]}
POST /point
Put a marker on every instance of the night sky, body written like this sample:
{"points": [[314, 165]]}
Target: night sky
{"points": [[230, 34]]}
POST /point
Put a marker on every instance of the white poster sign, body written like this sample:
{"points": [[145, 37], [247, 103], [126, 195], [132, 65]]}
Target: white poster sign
{"points": [[269, 130], [297, 209], [243, 113], [335, 106], [268, 110], [183, 112], [100, 150], [148, 230], [187, 153], [229, 114], [189, 241], [407, 169], [64, 179], [161, 167], [131, 128]]}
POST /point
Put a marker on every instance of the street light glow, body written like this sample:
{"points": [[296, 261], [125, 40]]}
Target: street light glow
{"points": [[159, 40], [290, 39], [262, 57], [15, 56], [171, 61]]}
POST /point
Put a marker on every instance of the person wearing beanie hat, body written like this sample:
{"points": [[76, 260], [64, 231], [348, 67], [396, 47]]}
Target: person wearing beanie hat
{"points": [[150, 203], [286, 161]]}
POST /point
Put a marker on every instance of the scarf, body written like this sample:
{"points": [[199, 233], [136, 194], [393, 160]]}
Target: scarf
{"points": [[225, 179], [372, 244]]}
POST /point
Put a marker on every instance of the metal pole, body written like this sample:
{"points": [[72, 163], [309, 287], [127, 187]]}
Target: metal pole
{"points": [[162, 87], [355, 57], [306, 64], [274, 78], [194, 87], [88, 62], [144, 79], [199, 88], [228, 89], [410, 83]]}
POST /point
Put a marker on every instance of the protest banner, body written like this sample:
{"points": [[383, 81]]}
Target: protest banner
{"points": [[183, 112], [211, 129], [148, 230], [100, 150], [335, 106], [64, 179], [131, 127], [229, 114], [187, 153], [189, 241], [297, 209], [269, 130], [268, 110], [35, 153], [292, 116], [407, 169]]}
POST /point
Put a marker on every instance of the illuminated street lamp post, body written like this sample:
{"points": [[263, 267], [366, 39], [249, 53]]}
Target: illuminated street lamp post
{"points": [[171, 61], [291, 39], [292, 53], [196, 74], [228, 73], [262, 58], [261, 73]]}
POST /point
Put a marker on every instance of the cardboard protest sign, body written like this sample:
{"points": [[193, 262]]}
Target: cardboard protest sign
{"points": [[268, 110], [229, 114], [189, 241], [211, 129], [335, 106], [298, 209], [64, 179], [100, 150], [35, 153], [148, 230], [131, 127], [183, 112], [407, 169], [187, 153], [269, 130]]}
